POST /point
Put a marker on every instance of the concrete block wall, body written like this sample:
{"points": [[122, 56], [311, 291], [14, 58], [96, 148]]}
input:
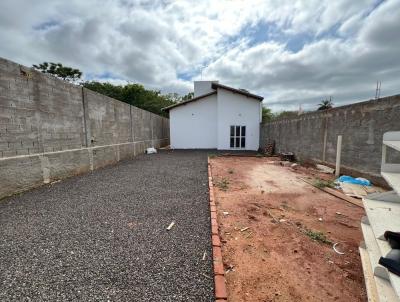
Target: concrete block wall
{"points": [[314, 135], [50, 129], [37, 115]]}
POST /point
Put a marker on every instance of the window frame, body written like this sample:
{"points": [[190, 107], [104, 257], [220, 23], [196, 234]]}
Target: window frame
{"points": [[238, 139]]}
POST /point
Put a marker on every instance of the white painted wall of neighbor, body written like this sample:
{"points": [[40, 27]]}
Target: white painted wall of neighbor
{"points": [[194, 126], [239, 110]]}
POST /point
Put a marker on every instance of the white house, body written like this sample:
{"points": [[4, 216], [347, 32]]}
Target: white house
{"points": [[218, 117]]}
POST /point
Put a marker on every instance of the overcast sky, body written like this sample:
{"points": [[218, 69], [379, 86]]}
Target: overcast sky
{"points": [[290, 52]]}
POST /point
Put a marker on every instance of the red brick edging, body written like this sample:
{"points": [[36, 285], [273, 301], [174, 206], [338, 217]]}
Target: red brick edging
{"points": [[219, 274]]}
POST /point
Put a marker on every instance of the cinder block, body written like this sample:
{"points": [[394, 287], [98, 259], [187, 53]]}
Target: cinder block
{"points": [[104, 156], [22, 152], [19, 174], [9, 153], [68, 163], [126, 151]]}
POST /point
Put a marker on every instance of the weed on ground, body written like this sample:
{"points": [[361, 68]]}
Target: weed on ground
{"points": [[317, 236], [223, 184], [320, 183]]}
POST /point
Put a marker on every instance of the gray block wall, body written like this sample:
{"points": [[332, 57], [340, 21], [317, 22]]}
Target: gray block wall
{"points": [[50, 129], [314, 135]]}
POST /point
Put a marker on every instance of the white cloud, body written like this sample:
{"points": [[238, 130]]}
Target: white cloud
{"points": [[164, 44], [343, 67]]}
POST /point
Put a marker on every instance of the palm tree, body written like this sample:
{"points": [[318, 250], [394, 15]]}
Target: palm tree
{"points": [[325, 104]]}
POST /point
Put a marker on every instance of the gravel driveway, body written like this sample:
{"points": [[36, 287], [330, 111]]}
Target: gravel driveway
{"points": [[102, 236]]}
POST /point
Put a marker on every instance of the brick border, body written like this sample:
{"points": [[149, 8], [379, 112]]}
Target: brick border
{"points": [[219, 273]]}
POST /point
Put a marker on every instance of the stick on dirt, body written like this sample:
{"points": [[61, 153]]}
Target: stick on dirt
{"points": [[272, 216], [206, 276], [171, 225], [337, 194]]}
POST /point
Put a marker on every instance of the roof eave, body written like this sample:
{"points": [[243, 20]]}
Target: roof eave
{"points": [[234, 90], [189, 101]]}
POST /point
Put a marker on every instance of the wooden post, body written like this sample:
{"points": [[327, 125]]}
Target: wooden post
{"points": [[338, 155], [325, 125], [324, 146]]}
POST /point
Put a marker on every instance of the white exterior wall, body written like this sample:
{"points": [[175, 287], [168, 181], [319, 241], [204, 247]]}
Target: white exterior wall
{"points": [[239, 110], [194, 125], [203, 87]]}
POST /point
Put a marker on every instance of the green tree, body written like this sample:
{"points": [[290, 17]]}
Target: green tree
{"points": [[325, 104], [113, 91], [175, 97], [267, 115], [286, 115], [188, 96], [135, 95], [58, 70]]}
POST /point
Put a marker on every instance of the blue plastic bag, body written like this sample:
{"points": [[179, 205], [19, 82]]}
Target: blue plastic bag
{"points": [[356, 181]]}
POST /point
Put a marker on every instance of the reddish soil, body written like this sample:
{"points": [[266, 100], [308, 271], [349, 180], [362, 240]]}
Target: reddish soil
{"points": [[267, 255]]}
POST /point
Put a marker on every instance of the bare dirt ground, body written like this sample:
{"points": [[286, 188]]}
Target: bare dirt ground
{"points": [[274, 247]]}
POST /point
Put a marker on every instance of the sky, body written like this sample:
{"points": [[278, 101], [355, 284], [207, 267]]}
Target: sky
{"points": [[290, 52]]}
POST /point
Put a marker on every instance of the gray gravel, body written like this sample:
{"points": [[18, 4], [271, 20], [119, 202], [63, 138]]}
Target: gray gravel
{"points": [[102, 236]]}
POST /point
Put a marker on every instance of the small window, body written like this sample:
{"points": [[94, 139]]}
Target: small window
{"points": [[237, 137]]}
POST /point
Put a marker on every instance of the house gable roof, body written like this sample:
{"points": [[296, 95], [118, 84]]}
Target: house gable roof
{"points": [[216, 86], [189, 101], [239, 91]]}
